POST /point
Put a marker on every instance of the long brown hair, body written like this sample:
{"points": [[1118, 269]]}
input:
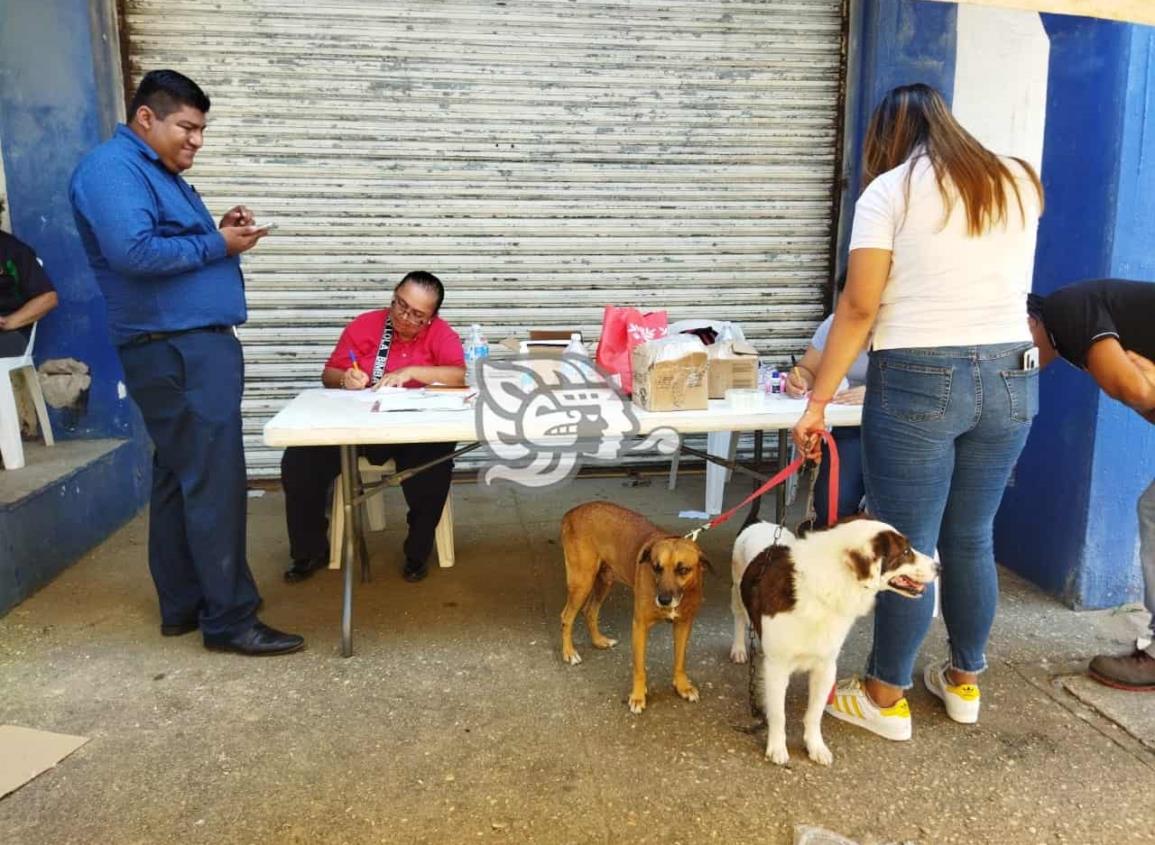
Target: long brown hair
{"points": [[911, 117]]}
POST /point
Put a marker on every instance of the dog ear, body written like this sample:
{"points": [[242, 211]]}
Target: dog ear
{"points": [[644, 558], [890, 547], [858, 563], [705, 561]]}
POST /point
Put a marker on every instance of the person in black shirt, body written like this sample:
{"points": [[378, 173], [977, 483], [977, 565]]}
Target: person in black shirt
{"points": [[26, 294], [1107, 327]]}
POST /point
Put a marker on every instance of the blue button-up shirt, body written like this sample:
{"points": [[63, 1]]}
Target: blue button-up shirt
{"points": [[155, 249]]}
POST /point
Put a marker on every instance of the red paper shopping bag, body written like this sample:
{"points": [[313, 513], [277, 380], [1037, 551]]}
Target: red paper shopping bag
{"points": [[622, 330]]}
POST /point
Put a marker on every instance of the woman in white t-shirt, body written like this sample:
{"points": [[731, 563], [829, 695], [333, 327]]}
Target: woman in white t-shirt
{"points": [[940, 265]]}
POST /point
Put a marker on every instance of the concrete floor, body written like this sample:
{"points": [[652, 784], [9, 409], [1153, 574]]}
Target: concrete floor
{"points": [[456, 721]]}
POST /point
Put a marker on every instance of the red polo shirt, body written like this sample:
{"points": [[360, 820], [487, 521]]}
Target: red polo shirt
{"points": [[436, 345]]}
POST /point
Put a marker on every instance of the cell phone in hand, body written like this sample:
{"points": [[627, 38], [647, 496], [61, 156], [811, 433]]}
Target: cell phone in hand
{"points": [[269, 226]]}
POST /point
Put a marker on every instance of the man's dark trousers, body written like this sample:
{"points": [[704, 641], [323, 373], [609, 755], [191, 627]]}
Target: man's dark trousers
{"points": [[188, 387], [307, 472]]}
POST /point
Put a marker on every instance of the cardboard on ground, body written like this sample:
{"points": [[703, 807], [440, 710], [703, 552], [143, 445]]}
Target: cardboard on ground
{"points": [[27, 752]]}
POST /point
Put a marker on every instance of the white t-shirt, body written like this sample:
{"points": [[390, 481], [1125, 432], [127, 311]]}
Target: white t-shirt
{"points": [[947, 288]]}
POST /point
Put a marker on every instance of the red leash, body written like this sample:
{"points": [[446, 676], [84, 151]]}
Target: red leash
{"points": [[794, 466]]}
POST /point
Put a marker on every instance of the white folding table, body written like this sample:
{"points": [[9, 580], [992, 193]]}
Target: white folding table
{"points": [[321, 417]]}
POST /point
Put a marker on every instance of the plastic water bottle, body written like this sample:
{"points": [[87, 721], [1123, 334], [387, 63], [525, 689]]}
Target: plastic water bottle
{"points": [[726, 336], [584, 365], [575, 346], [476, 348]]}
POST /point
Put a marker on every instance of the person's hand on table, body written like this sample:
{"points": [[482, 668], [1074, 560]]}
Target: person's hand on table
{"points": [[354, 379], [796, 385], [853, 396], [397, 378], [807, 438]]}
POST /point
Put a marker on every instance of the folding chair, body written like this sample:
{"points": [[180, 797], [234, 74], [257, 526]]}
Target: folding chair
{"points": [[375, 515], [20, 366]]}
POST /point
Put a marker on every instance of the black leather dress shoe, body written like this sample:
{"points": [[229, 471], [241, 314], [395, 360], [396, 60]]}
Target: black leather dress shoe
{"points": [[259, 640], [180, 628], [414, 571], [302, 569]]}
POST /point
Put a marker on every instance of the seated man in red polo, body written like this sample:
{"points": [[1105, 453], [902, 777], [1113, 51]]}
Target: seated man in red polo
{"points": [[405, 345]]}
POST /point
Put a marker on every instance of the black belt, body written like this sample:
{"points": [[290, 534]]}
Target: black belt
{"points": [[151, 337]]}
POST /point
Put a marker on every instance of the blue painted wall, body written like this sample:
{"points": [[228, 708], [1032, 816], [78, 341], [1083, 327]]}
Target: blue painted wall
{"points": [[1068, 522], [77, 513], [1123, 463], [53, 108], [58, 95], [892, 43]]}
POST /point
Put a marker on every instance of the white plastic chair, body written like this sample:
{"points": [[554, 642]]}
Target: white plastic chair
{"points": [[20, 366], [375, 515], [717, 442]]}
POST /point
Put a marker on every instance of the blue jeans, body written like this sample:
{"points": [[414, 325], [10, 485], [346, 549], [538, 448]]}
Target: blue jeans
{"points": [[850, 485], [942, 428]]}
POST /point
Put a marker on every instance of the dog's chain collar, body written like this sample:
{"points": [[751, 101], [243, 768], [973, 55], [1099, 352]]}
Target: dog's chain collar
{"points": [[809, 516], [751, 650]]}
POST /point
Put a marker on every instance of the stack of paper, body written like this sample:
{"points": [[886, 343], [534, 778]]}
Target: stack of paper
{"points": [[391, 400]]}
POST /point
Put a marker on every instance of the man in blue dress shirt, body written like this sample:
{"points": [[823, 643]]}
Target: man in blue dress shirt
{"points": [[172, 281]]}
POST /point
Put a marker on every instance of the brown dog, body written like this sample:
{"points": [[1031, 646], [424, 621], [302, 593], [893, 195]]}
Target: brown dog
{"points": [[604, 543]]}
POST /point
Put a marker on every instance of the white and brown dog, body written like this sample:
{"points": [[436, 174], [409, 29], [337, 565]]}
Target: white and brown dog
{"points": [[802, 595]]}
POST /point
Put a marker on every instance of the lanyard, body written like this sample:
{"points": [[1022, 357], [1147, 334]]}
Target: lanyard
{"points": [[383, 350]]}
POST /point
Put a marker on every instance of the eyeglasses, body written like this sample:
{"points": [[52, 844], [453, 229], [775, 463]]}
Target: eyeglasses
{"points": [[403, 309]]}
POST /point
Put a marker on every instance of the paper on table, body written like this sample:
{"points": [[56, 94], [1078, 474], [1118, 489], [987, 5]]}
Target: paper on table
{"points": [[26, 753], [419, 400], [404, 398], [368, 395]]}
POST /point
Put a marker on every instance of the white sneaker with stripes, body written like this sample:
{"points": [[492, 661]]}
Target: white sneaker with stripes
{"points": [[962, 701], [849, 702]]}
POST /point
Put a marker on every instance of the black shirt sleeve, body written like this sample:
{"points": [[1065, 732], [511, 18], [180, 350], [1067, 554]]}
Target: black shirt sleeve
{"points": [[1080, 315], [21, 276], [33, 280], [1077, 316]]}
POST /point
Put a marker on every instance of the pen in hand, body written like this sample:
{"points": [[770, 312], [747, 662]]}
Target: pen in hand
{"points": [[796, 376], [356, 368]]}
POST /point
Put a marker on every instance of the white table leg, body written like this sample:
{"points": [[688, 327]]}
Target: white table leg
{"points": [[717, 443], [348, 467]]}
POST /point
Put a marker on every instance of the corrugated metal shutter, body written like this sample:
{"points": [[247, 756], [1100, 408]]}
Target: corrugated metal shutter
{"points": [[543, 158]]}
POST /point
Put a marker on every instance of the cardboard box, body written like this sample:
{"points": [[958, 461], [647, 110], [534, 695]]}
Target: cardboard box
{"points": [[678, 384], [738, 371], [544, 348], [541, 342], [546, 342]]}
